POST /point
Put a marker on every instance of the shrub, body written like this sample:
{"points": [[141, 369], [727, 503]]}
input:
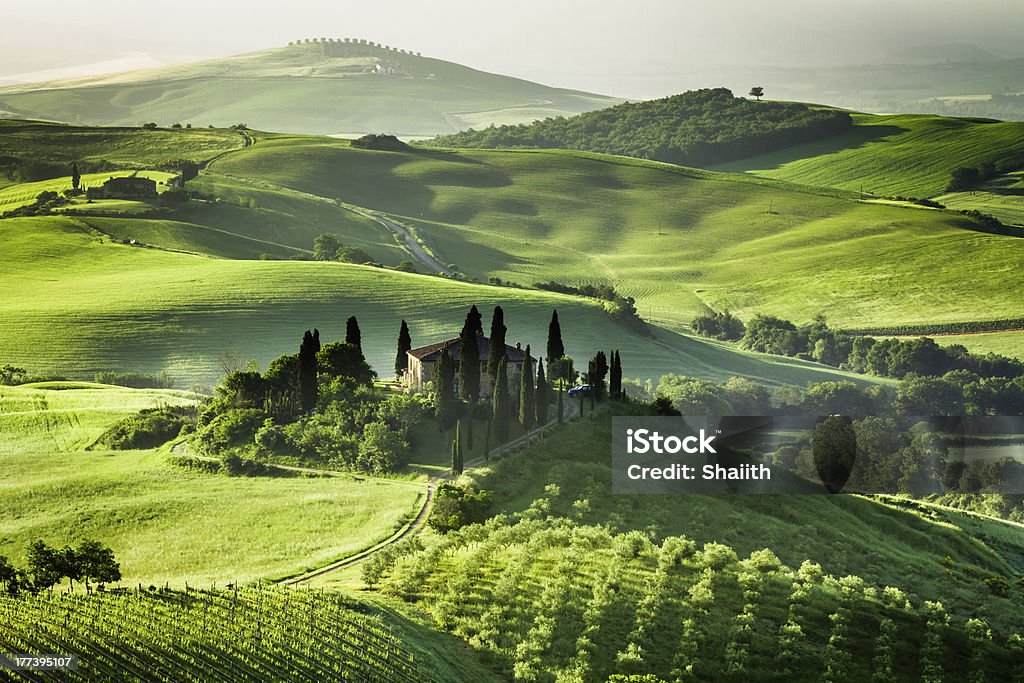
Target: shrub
{"points": [[147, 429]]}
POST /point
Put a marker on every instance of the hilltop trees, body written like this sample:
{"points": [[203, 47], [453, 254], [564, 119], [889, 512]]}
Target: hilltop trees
{"points": [[352, 334], [344, 360], [757, 92], [496, 353], [308, 351], [556, 349], [404, 346]]}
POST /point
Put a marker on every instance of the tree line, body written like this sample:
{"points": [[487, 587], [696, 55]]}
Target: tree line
{"points": [[47, 566], [695, 128]]}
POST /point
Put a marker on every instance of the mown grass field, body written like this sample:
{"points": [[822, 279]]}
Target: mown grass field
{"points": [[167, 524], [676, 239], [425, 97], [76, 302], [904, 154]]}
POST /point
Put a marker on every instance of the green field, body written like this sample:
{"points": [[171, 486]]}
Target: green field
{"points": [[1002, 197], [131, 308], [167, 524], [675, 239], [422, 96], [906, 154], [22, 194]]}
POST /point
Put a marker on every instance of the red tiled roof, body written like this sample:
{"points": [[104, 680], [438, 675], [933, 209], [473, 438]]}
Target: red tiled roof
{"points": [[432, 352]]}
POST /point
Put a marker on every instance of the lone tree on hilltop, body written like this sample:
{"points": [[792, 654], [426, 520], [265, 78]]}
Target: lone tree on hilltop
{"points": [[404, 346], [757, 92], [527, 411], [496, 353], [76, 177], [555, 347], [352, 334]]}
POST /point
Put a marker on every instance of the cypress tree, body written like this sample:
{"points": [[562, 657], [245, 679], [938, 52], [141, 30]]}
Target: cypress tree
{"points": [[615, 378], [526, 393], [308, 389], [352, 334], [500, 403], [542, 395], [76, 177], [457, 461], [496, 353], [444, 387], [469, 359], [474, 322], [560, 407], [555, 347], [597, 370], [404, 345]]}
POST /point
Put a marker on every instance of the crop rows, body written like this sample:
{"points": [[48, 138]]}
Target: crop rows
{"points": [[252, 634], [542, 601]]}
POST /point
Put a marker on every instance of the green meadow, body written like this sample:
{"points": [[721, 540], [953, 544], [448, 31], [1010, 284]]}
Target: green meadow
{"points": [[905, 154], [77, 303], [678, 240], [167, 524]]}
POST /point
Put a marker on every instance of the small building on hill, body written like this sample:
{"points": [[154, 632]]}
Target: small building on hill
{"points": [[420, 371], [129, 187]]}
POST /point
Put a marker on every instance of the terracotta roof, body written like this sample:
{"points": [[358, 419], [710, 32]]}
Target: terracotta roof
{"points": [[432, 352]]}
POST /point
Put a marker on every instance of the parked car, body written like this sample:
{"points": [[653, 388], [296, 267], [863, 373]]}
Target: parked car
{"points": [[581, 390]]}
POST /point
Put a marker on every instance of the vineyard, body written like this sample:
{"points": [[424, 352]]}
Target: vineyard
{"points": [[543, 599], [251, 634]]}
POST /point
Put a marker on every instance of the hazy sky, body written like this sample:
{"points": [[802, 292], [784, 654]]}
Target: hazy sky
{"points": [[596, 45]]}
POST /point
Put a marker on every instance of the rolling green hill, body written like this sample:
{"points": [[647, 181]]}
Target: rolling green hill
{"points": [[77, 302], [676, 239], [323, 87], [574, 580], [906, 154], [168, 524]]}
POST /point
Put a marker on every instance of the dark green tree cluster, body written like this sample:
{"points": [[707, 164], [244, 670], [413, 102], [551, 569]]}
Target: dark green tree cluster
{"points": [[47, 566], [696, 128], [326, 247], [885, 358], [716, 325], [456, 506]]}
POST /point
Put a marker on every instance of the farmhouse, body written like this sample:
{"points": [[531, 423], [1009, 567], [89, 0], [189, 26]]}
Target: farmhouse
{"points": [[130, 187], [422, 361]]}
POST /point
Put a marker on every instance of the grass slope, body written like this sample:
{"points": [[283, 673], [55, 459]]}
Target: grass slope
{"points": [[164, 523], [675, 239], [422, 96], [906, 154], [79, 303]]}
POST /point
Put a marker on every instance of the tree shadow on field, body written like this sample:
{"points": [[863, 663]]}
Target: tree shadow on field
{"points": [[855, 137]]}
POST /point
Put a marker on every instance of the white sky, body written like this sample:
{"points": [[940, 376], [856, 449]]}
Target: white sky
{"points": [[597, 45]]}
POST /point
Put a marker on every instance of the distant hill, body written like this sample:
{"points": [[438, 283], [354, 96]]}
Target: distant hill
{"points": [[695, 128], [324, 87], [961, 53]]}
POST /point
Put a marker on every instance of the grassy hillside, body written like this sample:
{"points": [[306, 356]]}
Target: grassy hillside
{"points": [[343, 88], [907, 154], [65, 416], [575, 583], [167, 524], [1002, 197], [676, 239], [77, 303]]}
